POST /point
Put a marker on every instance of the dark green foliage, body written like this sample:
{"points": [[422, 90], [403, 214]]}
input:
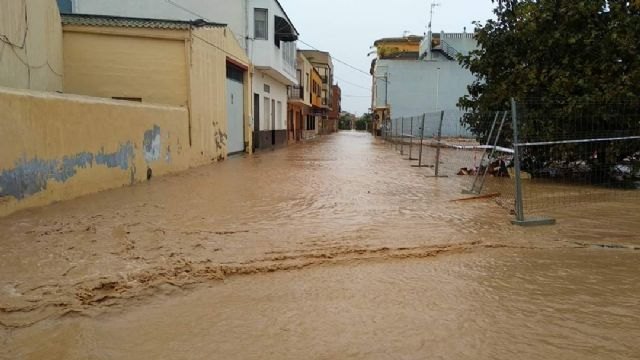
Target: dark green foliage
{"points": [[572, 65], [344, 123], [364, 122]]}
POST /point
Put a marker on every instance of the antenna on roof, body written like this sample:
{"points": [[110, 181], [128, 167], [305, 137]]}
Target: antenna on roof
{"points": [[433, 6]]}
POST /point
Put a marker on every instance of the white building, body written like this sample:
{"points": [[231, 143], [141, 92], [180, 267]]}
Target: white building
{"points": [[263, 29], [431, 81]]}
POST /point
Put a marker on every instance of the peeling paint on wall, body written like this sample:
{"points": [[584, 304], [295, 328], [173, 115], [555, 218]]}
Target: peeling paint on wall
{"points": [[152, 144], [117, 159], [31, 176]]}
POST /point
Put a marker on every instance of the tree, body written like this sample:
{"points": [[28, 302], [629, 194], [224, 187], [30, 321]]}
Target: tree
{"points": [[364, 122], [345, 121], [576, 60]]}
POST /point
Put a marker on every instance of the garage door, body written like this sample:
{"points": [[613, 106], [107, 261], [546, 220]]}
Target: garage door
{"points": [[235, 109]]}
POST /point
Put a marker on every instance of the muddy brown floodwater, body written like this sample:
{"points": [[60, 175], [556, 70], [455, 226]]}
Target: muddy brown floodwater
{"points": [[326, 250]]}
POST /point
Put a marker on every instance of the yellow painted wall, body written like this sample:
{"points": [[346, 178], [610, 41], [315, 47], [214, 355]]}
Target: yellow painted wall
{"points": [[57, 147], [31, 53], [210, 49], [306, 69], [103, 63], [316, 92]]}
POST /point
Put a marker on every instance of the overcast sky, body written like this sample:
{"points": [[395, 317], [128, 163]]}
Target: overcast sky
{"points": [[347, 28]]}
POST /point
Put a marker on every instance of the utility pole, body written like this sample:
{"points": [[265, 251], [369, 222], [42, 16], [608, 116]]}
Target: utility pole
{"points": [[438, 90], [433, 6], [430, 32]]}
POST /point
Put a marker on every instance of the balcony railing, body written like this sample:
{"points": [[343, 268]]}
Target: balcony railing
{"points": [[296, 92]]}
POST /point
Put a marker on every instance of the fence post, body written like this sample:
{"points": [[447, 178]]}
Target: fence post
{"points": [[402, 137], [395, 138], [516, 163], [520, 218], [421, 142], [439, 138], [439, 144]]}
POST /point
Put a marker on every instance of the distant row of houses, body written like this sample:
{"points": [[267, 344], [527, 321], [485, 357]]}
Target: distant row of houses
{"points": [[97, 94], [413, 75]]}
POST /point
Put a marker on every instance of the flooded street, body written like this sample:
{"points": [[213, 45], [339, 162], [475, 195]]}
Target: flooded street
{"points": [[336, 248]]}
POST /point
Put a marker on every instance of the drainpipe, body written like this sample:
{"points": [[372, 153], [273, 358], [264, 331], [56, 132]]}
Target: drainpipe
{"points": [[188, 48], [386, 89]]}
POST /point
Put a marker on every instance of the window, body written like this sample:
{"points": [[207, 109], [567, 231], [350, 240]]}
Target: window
{"points": [[289, 54], [261, 24], [311, 122]]}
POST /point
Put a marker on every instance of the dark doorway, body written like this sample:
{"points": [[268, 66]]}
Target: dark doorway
{"points": [[273, 123], [256, 121]]}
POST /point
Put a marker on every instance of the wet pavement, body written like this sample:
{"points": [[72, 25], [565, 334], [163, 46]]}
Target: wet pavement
{"points": [[334, 248]]}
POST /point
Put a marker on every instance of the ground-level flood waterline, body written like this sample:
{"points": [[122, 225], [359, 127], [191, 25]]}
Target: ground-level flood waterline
{"points": [[331, 249]]}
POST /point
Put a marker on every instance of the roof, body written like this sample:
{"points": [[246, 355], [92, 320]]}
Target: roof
{"points": [[130, 22], [407, 39], [317, 56]]}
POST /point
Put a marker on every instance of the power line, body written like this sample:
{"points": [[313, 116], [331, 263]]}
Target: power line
{"points": [[187, 10], [351, 83], [215, 46], [338, 60], [356, 96], [203, 18], [309, 45]]}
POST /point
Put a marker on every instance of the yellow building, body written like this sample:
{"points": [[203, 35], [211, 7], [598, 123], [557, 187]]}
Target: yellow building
{"points": [[197, 65], [299, 104], [399, 47], [156, 97]]}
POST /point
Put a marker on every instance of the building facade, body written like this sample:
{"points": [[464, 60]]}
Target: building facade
{"points": [[262, 29], [410, 83], [336, 108], [170, 62], [152, 97], [314, 118], [299, 106], [398, 47], [321, 61]]}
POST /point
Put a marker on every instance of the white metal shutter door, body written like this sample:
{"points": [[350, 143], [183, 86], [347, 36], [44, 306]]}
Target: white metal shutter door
{"points": [[235, 116]]}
